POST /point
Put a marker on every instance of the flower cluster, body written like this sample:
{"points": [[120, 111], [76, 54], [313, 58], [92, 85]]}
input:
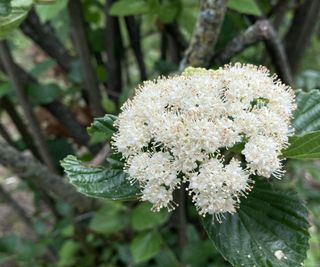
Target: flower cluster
{"points": [[184, 129]]}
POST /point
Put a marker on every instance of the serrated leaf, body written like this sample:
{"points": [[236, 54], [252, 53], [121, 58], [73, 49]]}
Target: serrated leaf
{"points": [[145, 246], [304, 147], [103, 126], [245, 7], [143, 211], [269, 230], [128, 7], [307, 115], [12, 21], [99, 181], [5, 7]]}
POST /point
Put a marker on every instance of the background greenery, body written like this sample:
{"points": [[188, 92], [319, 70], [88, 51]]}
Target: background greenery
{"points": [[78, 60]]}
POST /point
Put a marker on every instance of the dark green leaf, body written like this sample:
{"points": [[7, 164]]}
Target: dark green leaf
{"points": [[245, 6], [143, 211], [99, 181], [67, 253], [51, 9], [4, 88], [128, 7], [269, 222], [103, 126], [109, 219], [115, 161], [167, 258], [307, 115], [43, 94], [5, 7], [305, 147], [12, 21], [167, 11], [145, 246]]}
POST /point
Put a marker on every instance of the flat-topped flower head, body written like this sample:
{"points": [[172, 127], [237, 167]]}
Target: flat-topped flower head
{"points": [[181, 129]]}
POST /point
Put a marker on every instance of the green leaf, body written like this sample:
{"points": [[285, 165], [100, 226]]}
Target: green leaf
{"points": [[18, 12], [168, 11], [109, 219], [307, 115], [128, 7], [5, 7], [167, 258], [269, 230], [43, 94], [99, 181], [51, 10], [245, 7], [304, 147], [145, 246], [103, 126], [67, 253], [143, 211], [4, 88], [108, 105]]}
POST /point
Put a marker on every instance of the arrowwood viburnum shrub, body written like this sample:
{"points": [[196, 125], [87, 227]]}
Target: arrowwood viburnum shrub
{"points": [[182, 129]]}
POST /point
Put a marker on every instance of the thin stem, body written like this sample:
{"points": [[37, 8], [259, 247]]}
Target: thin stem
{"points": [[27, 167], [9, 107], [181, 218], [114, 49], [36, 131], [80, 41]]}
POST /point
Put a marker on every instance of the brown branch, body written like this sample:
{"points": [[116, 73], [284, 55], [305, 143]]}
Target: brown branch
{"points": [[6, 136], [262, 30], [205, 34], [43, 35], [35, 129], [135, 42], [114, 47], [80, 41], [303, 25], [16, 208], [172, 30], [58, 110], [27, 167], [9, 107]]}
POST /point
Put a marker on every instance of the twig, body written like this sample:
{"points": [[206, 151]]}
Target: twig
{"points": [[6, 136], [135, 42], [182, 219], [114, 48], [8, 106], [205, 34], [262, 30], [44, 36], [101, 156], [27, 167], [173, 30], [301, 29], [80, 40], [35, 129], [17, 208], [58, 110]]}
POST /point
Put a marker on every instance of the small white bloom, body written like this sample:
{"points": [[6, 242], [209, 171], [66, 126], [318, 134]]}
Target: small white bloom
{"points": [[177, 129]]}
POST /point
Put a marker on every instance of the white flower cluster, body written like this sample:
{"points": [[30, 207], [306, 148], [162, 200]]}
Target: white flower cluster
{"points": [[184, 129]]}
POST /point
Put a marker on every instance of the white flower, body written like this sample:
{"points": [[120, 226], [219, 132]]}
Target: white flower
{"points": [[180, 130], [262, 156]]}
